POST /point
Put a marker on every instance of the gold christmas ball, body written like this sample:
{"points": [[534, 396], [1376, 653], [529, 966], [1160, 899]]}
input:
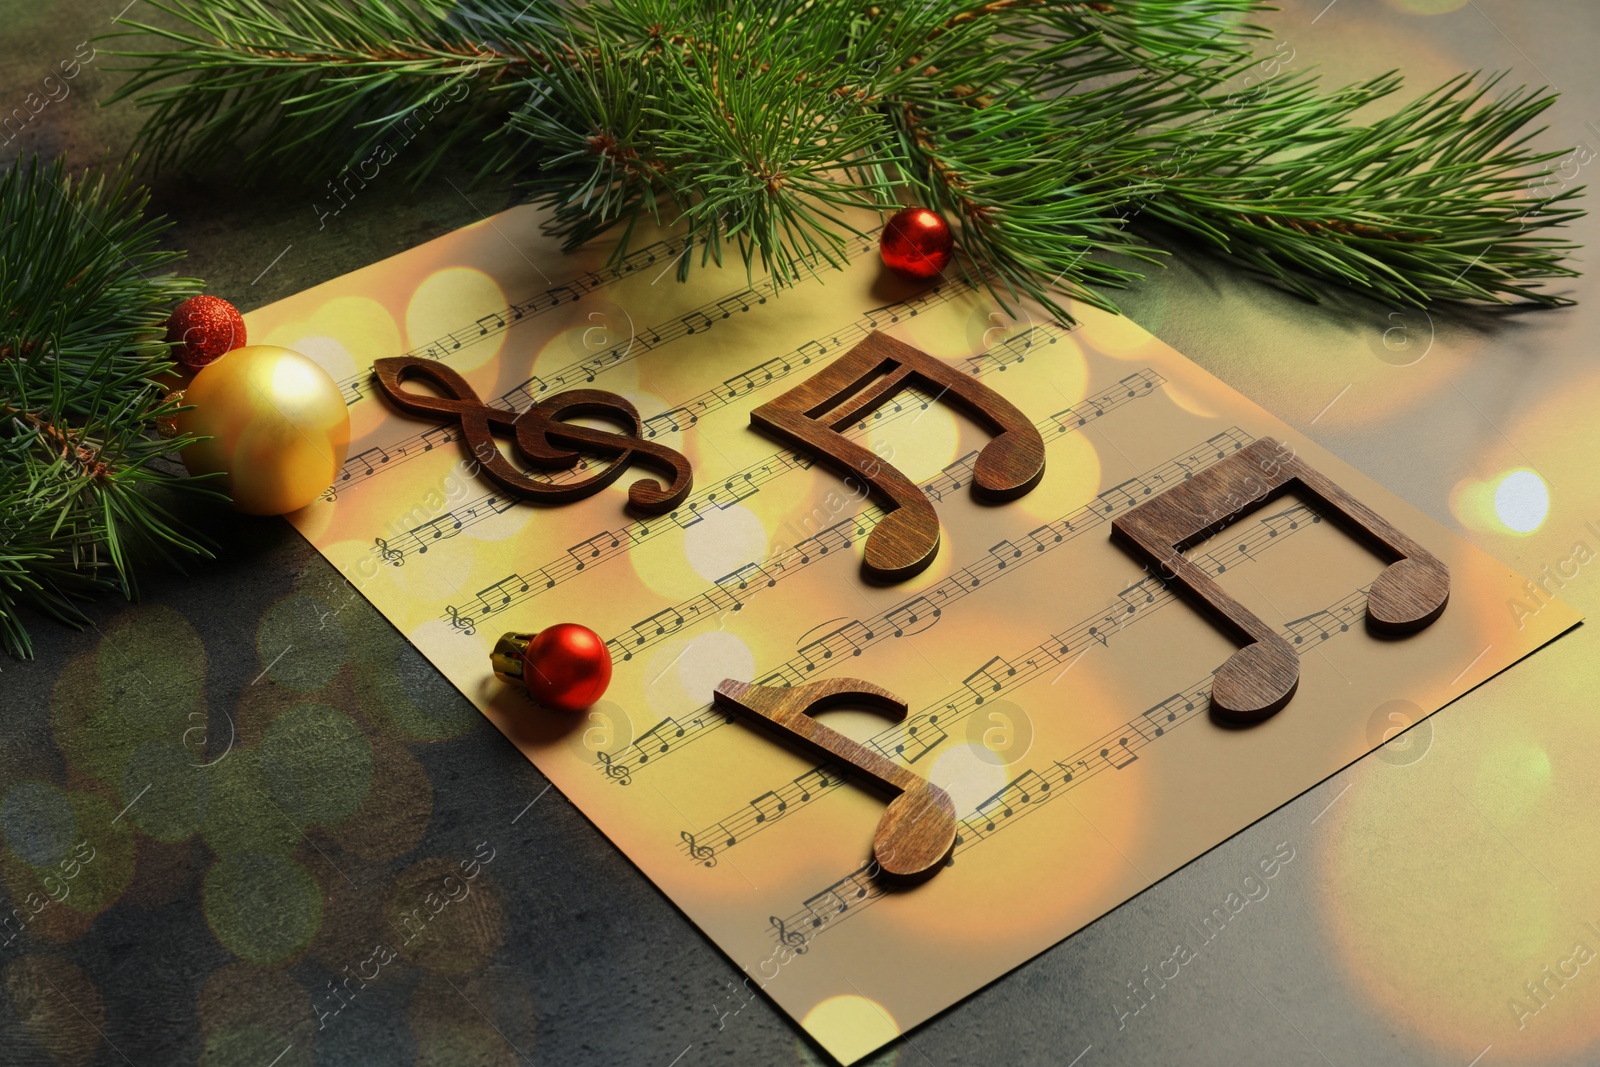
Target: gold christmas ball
{"points": [[277, 423]]}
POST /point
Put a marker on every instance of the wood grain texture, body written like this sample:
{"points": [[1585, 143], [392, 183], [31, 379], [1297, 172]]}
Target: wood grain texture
{"points": [[811, 415], [542, 437], [1262, 676], [918, 829]]}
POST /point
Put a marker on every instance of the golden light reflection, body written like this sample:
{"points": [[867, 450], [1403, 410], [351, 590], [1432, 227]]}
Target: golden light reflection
{"points": [[1458, 902], [443, 301], [850, 1026], [1516, 502], [1521, 501]]}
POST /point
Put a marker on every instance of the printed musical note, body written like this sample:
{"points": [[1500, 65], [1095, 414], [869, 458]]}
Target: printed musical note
{"points": [[852, 637], [542, 436], [816, 781], [1029, 790], [1017, 792], [769, 805], [389, 555], [742, 579], [1118, 756], [493, 598], [438, 435], [816, 656], [989, 679], [437, 348], [461, 622], [600, 546], [915, 738], [446, 526], [647, 339], [912, 617], [658, 740], [921, 733], [363, 459]]}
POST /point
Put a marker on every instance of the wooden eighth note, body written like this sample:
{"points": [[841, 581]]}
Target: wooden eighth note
{"points": [[812, 415], [1261, 677], [918, 831]]}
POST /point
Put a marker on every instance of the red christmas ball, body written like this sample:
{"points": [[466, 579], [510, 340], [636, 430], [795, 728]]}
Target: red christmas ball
{"points": [[916, 243], [203, 329], [566, 666]]}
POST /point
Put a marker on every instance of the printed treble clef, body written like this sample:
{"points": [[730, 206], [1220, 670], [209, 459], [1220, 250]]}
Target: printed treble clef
{"points": [[793, 938], [461, 622], [703, 854], [615, 771], [389, 555]]}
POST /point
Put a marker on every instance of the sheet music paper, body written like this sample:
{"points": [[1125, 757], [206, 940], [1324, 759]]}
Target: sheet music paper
{"points": [[1058, 692]]}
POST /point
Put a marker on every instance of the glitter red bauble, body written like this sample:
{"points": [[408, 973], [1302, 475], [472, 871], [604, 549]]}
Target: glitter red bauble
{"points": [[916, 243], [566, 666], [203, 329]]}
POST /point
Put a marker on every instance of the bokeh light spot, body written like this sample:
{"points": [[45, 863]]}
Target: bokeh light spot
{"points": [[1521, 501], [850, 1026], [261, 907]]}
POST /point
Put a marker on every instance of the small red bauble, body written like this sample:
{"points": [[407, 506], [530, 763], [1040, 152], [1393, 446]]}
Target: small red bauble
{"points": [[564, 666], [203, 329], [916, 243]]}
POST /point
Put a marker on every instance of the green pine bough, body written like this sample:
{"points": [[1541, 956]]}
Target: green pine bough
{"points": [[1050, 132], [83, 306]]}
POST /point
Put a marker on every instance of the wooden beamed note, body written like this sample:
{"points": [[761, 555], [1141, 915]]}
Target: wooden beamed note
{"points": [[918, 830], [542, 437], [811, 415], [1261, 677]]}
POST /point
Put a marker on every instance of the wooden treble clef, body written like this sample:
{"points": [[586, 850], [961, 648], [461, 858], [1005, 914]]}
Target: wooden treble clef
{"points": [[542, 437]]}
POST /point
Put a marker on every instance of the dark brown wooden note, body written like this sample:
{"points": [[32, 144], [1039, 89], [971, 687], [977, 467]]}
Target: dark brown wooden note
{"points": [[542, 437], [811, 415], [1262, 676], [918, 831]]}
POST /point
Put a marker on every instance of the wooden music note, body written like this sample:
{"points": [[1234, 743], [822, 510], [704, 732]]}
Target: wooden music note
{"points": [[918, 830], [542, 436], [812, 414], [1262, 676]]}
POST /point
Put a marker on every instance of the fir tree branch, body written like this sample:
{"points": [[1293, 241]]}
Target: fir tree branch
{"points": [[1050, 132], [81, 345]]}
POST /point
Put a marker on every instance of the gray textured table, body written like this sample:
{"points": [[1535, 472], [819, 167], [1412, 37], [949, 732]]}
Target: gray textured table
{"points": [[1430, 882]]}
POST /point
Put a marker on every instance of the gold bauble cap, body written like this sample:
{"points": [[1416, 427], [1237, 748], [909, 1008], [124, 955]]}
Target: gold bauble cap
{"points": [[507, 656]]}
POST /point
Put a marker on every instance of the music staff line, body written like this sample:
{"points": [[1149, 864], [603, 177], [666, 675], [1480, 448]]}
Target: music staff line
{"points": [[498, 322], [732, 590], [922, 610], [738, 486], [372, 461], [1030, 790], [920, 734]]}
